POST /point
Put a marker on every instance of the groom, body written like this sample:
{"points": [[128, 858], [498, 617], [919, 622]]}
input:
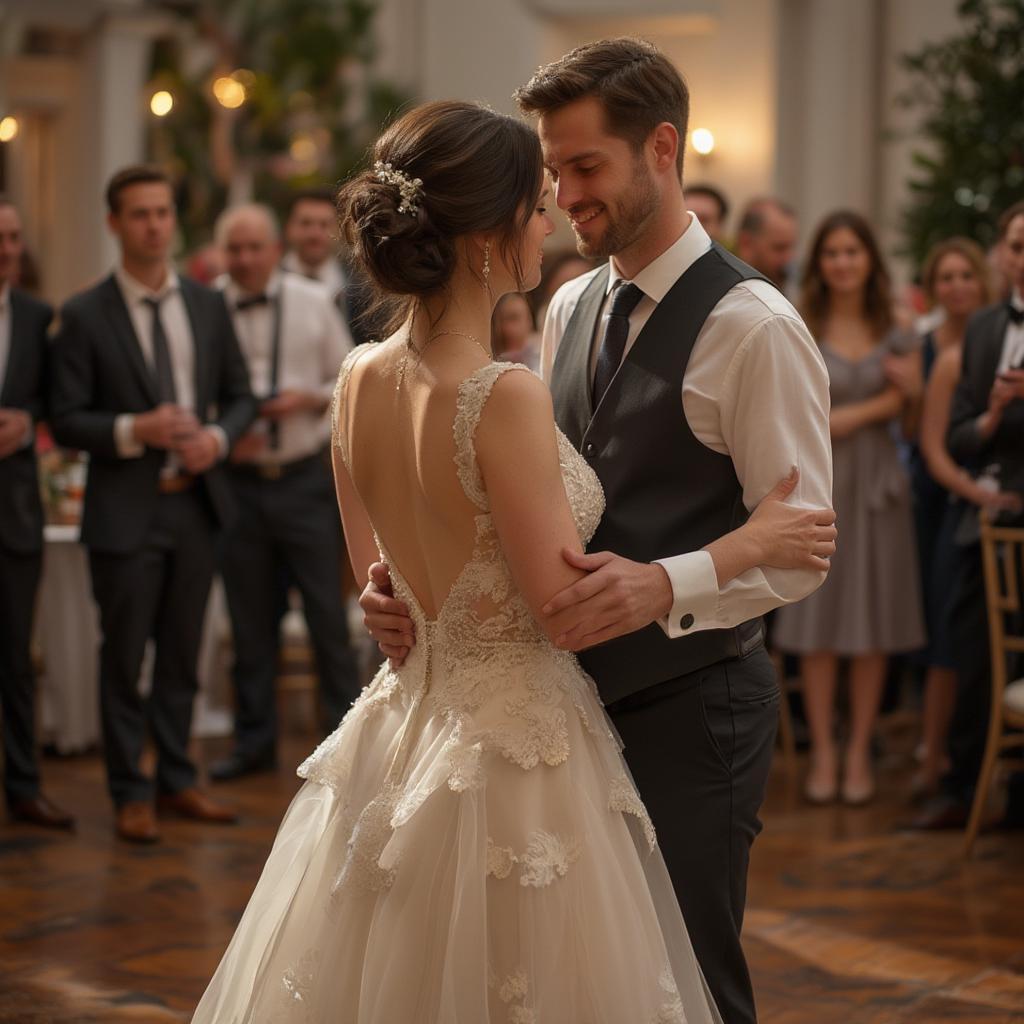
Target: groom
{"points": [[691, 386]]}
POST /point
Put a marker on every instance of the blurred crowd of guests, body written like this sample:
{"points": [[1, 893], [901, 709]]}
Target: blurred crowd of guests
{"points": [[203, 414], [201, 402]]}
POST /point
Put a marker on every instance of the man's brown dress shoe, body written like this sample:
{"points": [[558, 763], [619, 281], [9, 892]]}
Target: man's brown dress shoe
{"points": [[136, 822], [37, 810], [193, 803]]}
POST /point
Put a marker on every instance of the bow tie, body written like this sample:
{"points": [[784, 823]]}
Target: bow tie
{"points": [[262, 299], [1016, 315]]}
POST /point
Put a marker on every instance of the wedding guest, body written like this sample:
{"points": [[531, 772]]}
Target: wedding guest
{"points": [[311, 235], [140, 361], [955, 282], [514, 336], [986, 435], [23, 356], [711, 208], [293, 340], [767, 237], [869, 605]]}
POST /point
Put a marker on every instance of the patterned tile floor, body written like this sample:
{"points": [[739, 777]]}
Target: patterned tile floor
{"points": [[849, 919]]}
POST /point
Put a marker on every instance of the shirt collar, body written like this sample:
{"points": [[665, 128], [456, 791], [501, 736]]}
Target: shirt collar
{"points": [[5, 296], [658, 277], [233, 293], [135, 291], [1016, 299]]}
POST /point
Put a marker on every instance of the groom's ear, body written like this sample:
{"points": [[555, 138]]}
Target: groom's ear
{"points": [[664, 143]]}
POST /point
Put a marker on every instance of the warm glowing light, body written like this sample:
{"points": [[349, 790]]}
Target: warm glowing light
{"points": [[8, 128], [303, 149], [229, 93], [161, 103], [702, 141]]}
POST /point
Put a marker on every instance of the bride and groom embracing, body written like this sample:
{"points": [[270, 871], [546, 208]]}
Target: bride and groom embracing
{"points": [[471, 845]]}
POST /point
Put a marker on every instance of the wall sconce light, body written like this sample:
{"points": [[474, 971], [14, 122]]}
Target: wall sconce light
{"points": [[161, 103], [9, 128], [702, 141]]}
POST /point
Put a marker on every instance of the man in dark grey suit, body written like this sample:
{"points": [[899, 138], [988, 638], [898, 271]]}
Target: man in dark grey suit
{"points": [[23, 358], [148, 379], [986, 430]]}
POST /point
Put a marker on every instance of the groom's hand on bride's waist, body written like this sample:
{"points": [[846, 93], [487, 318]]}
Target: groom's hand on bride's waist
{"points": [[616, 597], [386, 618]]}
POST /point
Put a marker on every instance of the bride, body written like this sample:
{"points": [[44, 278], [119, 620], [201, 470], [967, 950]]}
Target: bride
{"points": [[468, 847]]}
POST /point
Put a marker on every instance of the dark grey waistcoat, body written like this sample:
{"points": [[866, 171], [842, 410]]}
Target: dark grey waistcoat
{"points": [[666, 493]]}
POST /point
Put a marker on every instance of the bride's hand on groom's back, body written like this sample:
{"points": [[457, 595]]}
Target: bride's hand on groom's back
{"points": [[790, 537], [386, 618]]}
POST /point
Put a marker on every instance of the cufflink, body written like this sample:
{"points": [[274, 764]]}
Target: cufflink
{"points": [[686, 621]]}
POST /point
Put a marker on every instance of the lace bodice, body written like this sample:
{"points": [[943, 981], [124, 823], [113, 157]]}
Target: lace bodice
{"points": [[483, 618]]}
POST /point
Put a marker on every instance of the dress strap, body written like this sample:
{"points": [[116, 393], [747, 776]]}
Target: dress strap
{"points": [[473, 395], [339, 438]]}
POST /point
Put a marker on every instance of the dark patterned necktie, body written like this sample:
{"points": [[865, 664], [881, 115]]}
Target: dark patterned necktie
{"points": [[161, 356], [251, 301], [613, 341], [1016, 315]]}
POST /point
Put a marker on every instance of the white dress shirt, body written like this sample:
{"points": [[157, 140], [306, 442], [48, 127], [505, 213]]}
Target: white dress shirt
{"points": [[755, 389], [313, 343], [329, 273], [180, 346], [1013, 343]]}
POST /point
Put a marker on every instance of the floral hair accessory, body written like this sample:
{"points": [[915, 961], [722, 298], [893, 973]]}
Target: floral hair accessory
{"points": [[411, 189]]}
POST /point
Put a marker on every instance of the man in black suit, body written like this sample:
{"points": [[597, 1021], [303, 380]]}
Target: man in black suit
{"points": [[23, 349], [149, 380], [986, 431], [311, 234]]}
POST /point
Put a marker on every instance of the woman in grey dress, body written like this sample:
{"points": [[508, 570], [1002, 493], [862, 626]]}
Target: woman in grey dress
{"points": [[870, 605]]}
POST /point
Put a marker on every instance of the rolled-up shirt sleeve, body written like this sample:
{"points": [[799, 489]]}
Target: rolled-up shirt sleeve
{"points": [[772, 408]]}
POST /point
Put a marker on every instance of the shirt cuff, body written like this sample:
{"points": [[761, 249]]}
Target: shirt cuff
{"points": [[694, 593], [30, 436], [223, 444], [124, 437]]}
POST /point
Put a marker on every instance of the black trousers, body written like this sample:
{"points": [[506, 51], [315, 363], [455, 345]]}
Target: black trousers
{"points": [[19, 582], [700, 748], [288, 524], [157, 592]]}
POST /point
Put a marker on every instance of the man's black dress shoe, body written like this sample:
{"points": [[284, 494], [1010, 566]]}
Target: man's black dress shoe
{"points": [[236, 764]]}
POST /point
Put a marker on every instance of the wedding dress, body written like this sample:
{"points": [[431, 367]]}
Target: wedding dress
{"points": [[468, 847]]}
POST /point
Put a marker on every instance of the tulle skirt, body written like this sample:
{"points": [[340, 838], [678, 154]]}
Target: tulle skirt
{"points": [[464, 868]]}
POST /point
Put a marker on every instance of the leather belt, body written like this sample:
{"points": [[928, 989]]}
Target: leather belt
{"points": [[177, 484]]}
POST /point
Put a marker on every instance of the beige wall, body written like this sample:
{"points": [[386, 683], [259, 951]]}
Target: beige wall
{"points": [[799, 95]]}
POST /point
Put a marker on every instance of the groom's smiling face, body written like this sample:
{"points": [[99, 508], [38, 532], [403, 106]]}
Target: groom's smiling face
{"points": [[601, 180]]}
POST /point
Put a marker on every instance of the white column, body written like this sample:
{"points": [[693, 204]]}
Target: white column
{"points": [[828, 113]]}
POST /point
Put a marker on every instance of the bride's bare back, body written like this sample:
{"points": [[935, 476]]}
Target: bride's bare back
{"points": [[399, 417]]}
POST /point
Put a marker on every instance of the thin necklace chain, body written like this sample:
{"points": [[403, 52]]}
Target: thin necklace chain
{"points": [[460, 334], [437, 334]]}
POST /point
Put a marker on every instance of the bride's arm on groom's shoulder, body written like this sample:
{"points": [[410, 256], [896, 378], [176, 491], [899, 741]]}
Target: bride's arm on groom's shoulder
{"points": [[517, 451]]}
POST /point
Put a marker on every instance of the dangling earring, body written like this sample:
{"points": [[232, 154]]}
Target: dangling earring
{"points": [[487, 265]]}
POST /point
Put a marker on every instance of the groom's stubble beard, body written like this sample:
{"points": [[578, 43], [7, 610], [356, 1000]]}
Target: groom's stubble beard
{"points": [[634, 210]]}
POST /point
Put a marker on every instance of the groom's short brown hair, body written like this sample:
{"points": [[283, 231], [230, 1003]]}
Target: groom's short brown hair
{"points": [[638, 86]]}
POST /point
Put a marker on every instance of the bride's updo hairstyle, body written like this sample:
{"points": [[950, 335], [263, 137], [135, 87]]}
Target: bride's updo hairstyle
{"points": [[479, 171]]}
